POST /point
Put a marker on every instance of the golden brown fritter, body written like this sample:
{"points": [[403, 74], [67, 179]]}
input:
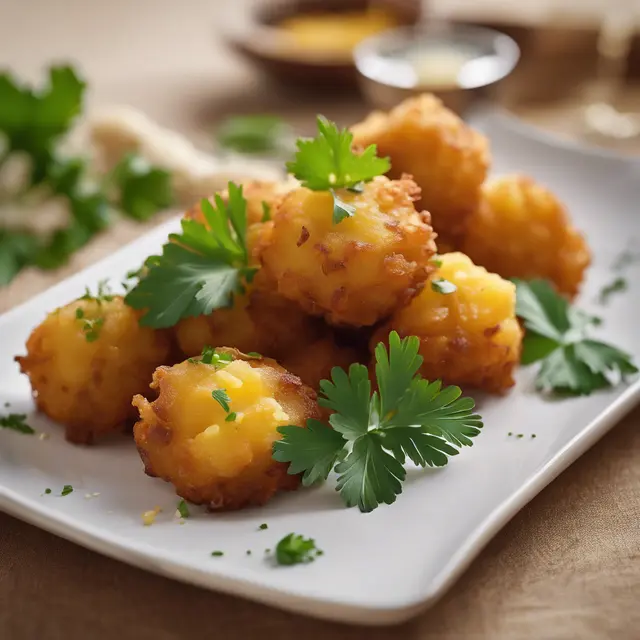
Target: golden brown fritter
{"points": [[261, 321], [521, 230], [255, 192], [469, 337], [84, 370], [186, 437], [447, 158], [359, 270], [315, 361]]}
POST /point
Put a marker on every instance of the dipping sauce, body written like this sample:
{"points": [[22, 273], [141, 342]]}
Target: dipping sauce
{"points": [[333, 34], [438, 67]]}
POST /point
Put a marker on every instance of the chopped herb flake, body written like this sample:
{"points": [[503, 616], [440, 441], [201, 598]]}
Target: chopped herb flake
{"points": [[263, 526], [221, 397], [440, 285], [16, 422], [295, 549], [66, 490], [231, 417], [617, 286], [217, 554], [183, 509]]}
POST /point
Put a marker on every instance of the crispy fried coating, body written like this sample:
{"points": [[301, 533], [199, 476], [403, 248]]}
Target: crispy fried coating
{"points": [[315, 361], [521, 230], [359, 270], [261, 321], [186, 438], [85, 380], [447, 158], [470, 337]]}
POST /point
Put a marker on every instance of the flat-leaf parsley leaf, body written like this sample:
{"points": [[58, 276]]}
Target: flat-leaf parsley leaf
{"points": [[557, 336], [200, 269], [16, 422], [372, 434], [327, 162]]}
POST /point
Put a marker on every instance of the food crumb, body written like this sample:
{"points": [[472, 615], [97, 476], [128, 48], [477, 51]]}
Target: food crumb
{"points": [[149, 517], [43, 436], [248, 552], [181, 521]]}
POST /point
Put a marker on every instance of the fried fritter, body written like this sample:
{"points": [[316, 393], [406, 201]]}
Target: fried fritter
{"points": [[219, 458], [468, 337], [359, 270], [447, 158], [315, 361], [85, 362], [256, 193], [261, 321], [521, 230]]}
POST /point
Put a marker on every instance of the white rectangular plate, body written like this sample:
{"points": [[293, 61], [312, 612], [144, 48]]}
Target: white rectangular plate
{"points": [[378, 568]]}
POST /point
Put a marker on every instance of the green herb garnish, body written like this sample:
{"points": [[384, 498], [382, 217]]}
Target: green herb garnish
{"points": [[33, 121], [327, 163], [254, 354], [200, 269], [373, 433], [617, 286], [217, 554], [47, 491], [231, 417], [266, 212], [440, 285], [221, 397], [254, 134], [143, 189], [296, 549], [263, 526], [556, 336], [16, 422], [66, 490], [183, 509]]}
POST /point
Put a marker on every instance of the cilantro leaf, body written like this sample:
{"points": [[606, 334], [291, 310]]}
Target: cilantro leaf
{"points": [[221, 397], [349, 397], [373, 433], [200, 269], [143, 189], [253, 133], [327, 162], [296, 549], [16, 422], [544, 311], [369, 475], [571, 363], [314, 450]]}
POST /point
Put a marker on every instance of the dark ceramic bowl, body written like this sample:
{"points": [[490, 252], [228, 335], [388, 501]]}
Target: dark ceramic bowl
{"points": [[259, 40]]}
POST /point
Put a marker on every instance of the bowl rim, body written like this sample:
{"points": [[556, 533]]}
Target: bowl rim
{"points": [[508, 48]]}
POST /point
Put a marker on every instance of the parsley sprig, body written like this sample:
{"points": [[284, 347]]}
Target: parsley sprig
{"points": [[374, 433], [327, 162], [200, 269], [33, 122], [570, 362]]}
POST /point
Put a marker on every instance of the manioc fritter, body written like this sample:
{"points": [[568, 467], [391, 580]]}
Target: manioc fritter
{"points": [[447, 158], [358, 271], [256, 193], [219, 458], [521, 230], [261, 321], [85, 362], [315, 361], [470, 337]]}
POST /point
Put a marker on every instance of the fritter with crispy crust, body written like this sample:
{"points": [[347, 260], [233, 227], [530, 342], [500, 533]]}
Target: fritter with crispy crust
{"points": [[217, 457], [468, 337], [315, 361], [521, 230], [447, 158], [85, 362], [358, 271], [261, 321]]}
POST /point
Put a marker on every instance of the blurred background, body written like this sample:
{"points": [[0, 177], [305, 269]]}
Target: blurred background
{"points": [[190, 64], [568, 68]]}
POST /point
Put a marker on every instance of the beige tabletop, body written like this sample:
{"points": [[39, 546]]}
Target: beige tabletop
{"points": [[567, 566]]}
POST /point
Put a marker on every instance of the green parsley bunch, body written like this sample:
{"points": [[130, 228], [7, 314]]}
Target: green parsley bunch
{"points": [[372, 434]]}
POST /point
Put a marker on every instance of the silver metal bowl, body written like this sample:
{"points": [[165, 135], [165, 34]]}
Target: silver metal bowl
{"points": [[387, 71]]}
